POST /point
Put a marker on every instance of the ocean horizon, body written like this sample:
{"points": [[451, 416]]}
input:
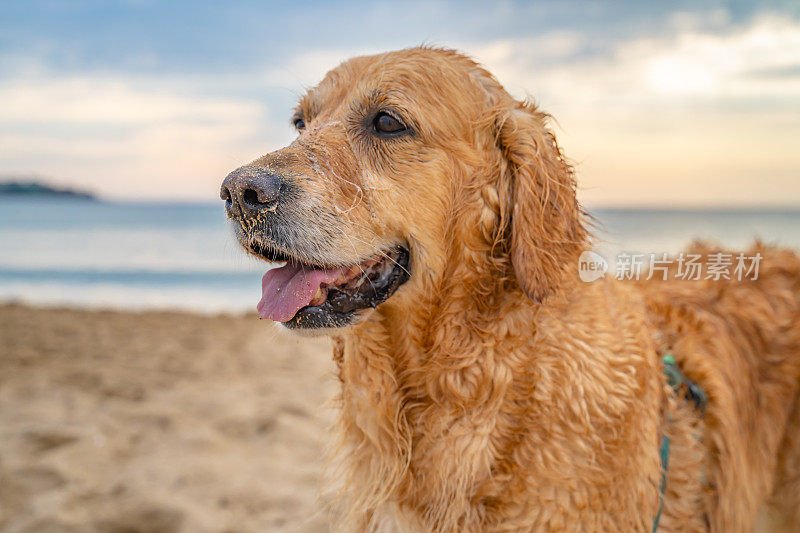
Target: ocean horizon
{"points": [[182, 256]]}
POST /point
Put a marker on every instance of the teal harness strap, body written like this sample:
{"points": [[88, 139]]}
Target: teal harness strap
{"points": [[676, 379], [664, 452]]}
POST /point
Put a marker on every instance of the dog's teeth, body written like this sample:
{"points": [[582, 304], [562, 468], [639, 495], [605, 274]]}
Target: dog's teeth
{"points": [[279, 264], [319, 297]]}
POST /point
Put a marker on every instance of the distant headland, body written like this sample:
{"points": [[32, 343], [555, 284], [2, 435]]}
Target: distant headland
{"points": [[37, 189]]}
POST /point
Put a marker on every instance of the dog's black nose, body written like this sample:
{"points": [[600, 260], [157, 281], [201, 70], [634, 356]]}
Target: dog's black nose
{"points": [[250, 191]]}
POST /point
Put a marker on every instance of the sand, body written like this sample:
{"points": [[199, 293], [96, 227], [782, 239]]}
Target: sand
{"points": [[159, 422]]}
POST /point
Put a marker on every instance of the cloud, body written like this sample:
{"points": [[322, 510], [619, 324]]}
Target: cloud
{"points": [[731, 65], [127, 139], [701, 111], [759, 60], [101, 100], [695, 117]]}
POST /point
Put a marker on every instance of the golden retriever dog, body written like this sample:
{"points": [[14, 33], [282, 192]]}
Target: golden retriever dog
{"points": [[429, 225]]}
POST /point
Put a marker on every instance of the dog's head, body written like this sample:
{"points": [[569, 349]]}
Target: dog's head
{"points": [[400, 159]]}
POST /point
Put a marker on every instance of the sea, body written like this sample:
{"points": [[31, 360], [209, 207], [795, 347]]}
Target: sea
{"points": [[179, 256]]}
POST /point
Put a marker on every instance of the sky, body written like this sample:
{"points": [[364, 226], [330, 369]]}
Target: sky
{"points": [[658, 103]]}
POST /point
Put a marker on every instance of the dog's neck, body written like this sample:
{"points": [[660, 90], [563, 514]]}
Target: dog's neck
{"points": [[416, 382]]}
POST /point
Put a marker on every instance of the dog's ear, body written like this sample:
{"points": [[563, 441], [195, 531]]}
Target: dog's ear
{"points": [[546, 223]]}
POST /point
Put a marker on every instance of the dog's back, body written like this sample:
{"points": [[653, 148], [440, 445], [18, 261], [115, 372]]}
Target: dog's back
{"points": [[740, 341]]}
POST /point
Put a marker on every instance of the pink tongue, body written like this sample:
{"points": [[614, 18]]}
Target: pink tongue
{"points": [[286, 289]]}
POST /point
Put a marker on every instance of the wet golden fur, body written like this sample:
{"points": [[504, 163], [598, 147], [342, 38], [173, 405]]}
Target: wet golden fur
{"points": [[495, 391]]}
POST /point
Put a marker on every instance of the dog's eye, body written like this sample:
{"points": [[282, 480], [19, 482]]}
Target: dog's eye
{"points": [[299, 123], [387, 124]]}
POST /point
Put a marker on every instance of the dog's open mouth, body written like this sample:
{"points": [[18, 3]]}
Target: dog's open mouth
{"points": [[301, 295]]}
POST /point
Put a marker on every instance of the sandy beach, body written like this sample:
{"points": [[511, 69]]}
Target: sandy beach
{"points": [[158, 422]]}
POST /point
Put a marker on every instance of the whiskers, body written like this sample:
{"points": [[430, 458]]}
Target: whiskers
{"points": [[379, 251]]}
